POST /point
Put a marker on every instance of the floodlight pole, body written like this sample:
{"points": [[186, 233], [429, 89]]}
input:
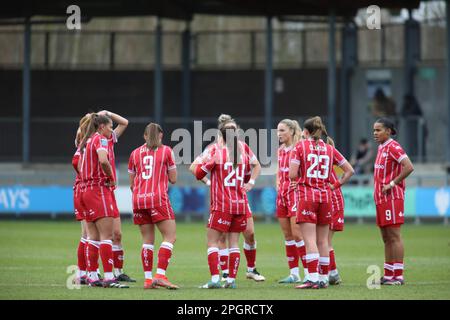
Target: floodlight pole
{"points": [[158, 77], [268, 92], [26, 91], [344, 137], [186, 77], [447, 11], [332, 74]]}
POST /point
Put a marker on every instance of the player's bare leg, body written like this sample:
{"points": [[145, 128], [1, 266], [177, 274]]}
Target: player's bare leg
{"points": [[324, 259], [81, 256], [250, 251], [105, 229], [92, 254], [223, 256], [235, 257], [213, 237], [291, 251], [148, 240], [394, 255], [312, 256], [333, 278], [118, 252], [300, 244], [388, 257], [168, 232]]}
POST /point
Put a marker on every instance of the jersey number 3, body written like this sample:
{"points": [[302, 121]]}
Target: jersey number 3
{"points": [[323, 161], [148, 166]]}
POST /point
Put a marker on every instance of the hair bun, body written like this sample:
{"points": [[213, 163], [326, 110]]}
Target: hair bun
{"points": [[224, 118]]}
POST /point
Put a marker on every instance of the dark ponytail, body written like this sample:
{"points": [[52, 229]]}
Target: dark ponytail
{"points": [[317, 129], [388, 124]]}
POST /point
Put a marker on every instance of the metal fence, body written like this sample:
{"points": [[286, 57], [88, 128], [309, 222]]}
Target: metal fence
{"points": [[413, 134], [61, 132]]}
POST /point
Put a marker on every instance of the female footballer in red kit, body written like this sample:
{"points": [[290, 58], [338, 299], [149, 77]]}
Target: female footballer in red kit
{"points": [[289, 133], [337, 223], [392, 166], [228, 164], [97, 199], [151, 168], [81, 277], [310, 165], [250, 243], [118, 251]]}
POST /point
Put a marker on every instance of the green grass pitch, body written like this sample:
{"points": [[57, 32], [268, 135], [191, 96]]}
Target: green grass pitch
{"points": [[34, 257]]}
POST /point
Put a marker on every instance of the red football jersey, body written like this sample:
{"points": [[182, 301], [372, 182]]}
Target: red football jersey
{"points": [[111, 157], [227, 182], [201, 159], [284, 154], [387, 167], [151, 184], [337, 198], [75, 160], [315, 162], [92, 173]]}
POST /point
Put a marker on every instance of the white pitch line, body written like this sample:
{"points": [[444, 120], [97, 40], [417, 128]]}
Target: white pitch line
{"points": [[31, 285]]}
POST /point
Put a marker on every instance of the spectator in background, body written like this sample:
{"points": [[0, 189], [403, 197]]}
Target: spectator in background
{"points": [[412, 115], [361, 159], [382, 105]]}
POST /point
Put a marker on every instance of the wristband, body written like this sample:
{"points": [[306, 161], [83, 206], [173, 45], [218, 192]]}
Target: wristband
{"points": [[251, 181], [337, 185], [208, 182], [392, 183]]}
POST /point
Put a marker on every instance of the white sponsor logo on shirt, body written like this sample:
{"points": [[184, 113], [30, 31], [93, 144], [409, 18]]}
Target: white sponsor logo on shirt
{"points": [[379, 166], [144, 195]]}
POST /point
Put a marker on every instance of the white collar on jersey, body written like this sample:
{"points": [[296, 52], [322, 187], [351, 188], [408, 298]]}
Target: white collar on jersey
{"points": [[385, 143], [286, 149]]}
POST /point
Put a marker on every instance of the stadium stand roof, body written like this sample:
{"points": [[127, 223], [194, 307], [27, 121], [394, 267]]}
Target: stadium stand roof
{"points": [[185, 9]]}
